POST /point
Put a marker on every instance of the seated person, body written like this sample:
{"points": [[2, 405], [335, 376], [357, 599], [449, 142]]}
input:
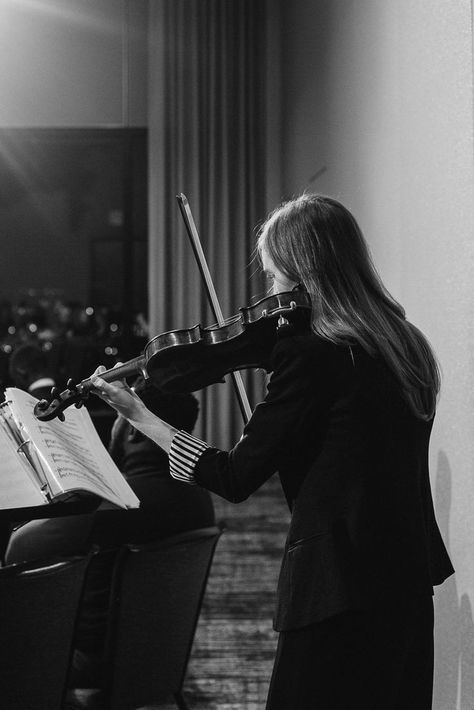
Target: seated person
{"points": [[29, 370], [167, 507]]}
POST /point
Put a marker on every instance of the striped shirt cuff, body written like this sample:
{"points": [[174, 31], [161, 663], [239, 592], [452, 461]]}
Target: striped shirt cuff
{"points": [[184, 454]]}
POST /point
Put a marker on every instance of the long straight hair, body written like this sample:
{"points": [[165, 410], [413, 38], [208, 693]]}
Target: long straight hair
{"points": [[315, 241]]}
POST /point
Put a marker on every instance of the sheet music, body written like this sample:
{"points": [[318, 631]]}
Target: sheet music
{"points": [[72, 452], [18, 487]]}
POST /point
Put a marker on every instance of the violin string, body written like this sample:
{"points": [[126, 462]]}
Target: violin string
{"points": [[227, 321]]}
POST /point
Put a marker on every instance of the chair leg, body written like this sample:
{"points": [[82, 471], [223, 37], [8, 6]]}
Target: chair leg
{"points": [[180, 701]]}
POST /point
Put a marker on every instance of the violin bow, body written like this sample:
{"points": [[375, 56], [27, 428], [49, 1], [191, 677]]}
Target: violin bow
{"points": [[212, 296]]}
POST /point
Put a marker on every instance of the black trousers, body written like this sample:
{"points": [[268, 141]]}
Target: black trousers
{"points": [[380, 659]]}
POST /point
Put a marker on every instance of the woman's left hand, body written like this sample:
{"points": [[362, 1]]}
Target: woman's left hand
{"points": [[118, 395]]}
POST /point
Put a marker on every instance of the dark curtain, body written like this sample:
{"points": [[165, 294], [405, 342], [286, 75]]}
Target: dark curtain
{"points": [[209, 92]]}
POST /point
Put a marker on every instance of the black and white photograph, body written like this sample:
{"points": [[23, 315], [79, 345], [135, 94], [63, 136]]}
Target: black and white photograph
{"points": [[236, 361]]}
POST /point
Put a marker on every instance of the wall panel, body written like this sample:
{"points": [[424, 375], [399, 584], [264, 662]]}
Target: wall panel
{"points": [[378, 112]]}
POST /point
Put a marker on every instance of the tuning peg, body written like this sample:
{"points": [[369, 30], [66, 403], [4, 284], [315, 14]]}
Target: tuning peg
{"points": [[71, 385], [284, 327], [61, 417], [42, 405], [55, 392], [79, 404]]}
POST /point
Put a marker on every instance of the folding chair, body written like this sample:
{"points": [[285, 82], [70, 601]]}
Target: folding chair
{"points": [[157, 593], [38, 609]]}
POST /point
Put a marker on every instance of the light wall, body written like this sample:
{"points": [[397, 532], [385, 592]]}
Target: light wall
{"points": [[73, 63], [377, 111]]}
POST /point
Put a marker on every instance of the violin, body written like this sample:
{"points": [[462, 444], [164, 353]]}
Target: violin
{"points": [[190, 359]]}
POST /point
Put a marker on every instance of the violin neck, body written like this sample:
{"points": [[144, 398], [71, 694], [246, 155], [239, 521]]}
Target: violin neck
{"points": [[136, 366]]}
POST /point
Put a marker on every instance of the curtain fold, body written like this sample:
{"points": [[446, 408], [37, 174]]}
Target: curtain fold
{"points": [[208, 138]]}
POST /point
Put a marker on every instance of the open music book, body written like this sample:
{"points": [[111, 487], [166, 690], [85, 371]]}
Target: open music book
{"points": [[42, 462]]}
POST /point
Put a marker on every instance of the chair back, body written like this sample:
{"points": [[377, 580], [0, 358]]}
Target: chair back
{"points": [[157, 594], [38, 609]]}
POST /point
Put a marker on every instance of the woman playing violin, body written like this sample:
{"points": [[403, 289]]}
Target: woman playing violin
{"points": [[346, 422]]}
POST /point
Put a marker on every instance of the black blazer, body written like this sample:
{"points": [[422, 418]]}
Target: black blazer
{"points": [[353, 463]]}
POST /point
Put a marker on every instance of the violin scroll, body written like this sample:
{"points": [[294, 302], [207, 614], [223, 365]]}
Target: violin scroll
{"points": [[45, 410]]}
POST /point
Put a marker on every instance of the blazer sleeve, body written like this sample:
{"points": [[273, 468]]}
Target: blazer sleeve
{"points": [[299, 390]]}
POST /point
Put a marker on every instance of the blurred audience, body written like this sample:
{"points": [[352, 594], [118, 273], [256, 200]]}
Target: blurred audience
{"points": [[73, 338]]}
